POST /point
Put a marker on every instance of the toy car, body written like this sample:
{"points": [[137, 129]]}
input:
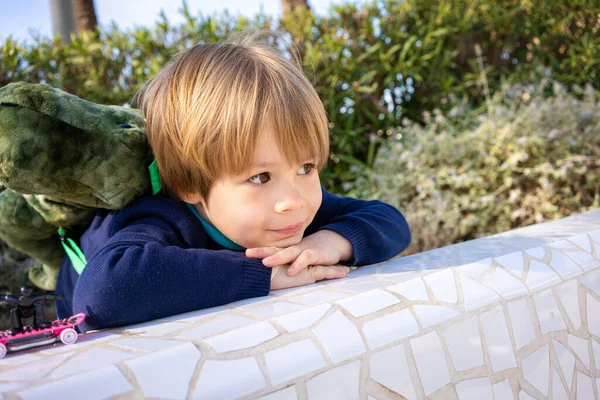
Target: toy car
{"points": [[31, 337]]}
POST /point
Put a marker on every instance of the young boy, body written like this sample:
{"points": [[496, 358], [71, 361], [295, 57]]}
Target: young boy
{"points": [[239, 135]]}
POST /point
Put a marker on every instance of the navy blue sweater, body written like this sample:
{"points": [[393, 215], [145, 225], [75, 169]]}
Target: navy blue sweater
{"points": [[153, 259]]}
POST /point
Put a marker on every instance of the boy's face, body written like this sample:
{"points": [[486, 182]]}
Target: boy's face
{"points": [[254, 209]]}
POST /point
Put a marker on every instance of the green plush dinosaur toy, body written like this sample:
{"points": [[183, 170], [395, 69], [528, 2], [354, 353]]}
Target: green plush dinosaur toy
{"points": [[62, 158]]}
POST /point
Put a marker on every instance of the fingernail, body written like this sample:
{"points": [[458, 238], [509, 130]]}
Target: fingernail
{"points": [[268, 259], [291, 271]]}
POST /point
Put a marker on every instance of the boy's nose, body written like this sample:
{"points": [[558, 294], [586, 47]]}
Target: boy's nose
{"points": [[290, 200]]}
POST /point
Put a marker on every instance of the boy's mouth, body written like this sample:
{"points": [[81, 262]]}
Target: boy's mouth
{"points": [[289, 230]]}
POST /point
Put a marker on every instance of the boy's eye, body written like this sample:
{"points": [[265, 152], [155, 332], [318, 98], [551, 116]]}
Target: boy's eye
{"points": [[307, 168], [261, 178]]}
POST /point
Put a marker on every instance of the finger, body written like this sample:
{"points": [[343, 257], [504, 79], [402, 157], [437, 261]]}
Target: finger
{"points": [[284, 256], [321, 272], [306, 258], [261, 252]]}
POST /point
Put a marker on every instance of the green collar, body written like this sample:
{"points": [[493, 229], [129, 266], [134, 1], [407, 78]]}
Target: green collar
{"points": [[214, 232]]}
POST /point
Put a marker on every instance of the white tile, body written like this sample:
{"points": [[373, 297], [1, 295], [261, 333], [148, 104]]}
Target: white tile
{"points": [[566, 267], [548, 314], [411, 290], [90, 359], [591, 280], [540, 276], [389, 328], [292, 360], [242, 338], [475, 389], [584, 260], [514, 262], [521, 322], [502, 390], [363, 286], [327, 386], [595, 235], [364, 270], [251, 302], [397, 378], [558, 390], [580, 347], [289, 393], [92, 383], [562, 244], [368, 302], [596, 247], [430, 361], [497, 340], [145, 344], [475, 269], [566, 361], [585, 391], [216, 379], [221, 324], [476, 295], [568, 295], [593, 314], [302, 319], [175, 366], [294, 291], [9, 387], [196, 315], [275, 309], [442, 285], [596, 351], [396, 274], [16, 359], [319, 297], [464, 344], [154, 328], [32, 371], [524, 396], [340, 337], [432, 315], [536, 252], [536, 369], [507, 285]]}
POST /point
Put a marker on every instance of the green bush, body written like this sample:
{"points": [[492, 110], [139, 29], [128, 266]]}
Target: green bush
{"points": [[372, 64], [463, 174]]}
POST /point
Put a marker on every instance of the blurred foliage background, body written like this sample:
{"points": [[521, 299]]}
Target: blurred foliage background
{"points": [[471, 116]]}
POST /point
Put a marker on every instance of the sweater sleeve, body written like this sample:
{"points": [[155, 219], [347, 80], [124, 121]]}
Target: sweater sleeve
{"points": [[377, 230], [145, 271]]}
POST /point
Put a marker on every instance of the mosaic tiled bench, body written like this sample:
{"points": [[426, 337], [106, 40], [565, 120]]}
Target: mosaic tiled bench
{"points": [[511, 316]]}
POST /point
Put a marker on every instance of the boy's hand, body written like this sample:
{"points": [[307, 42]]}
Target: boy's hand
{"points": [[311, 274], [322, 248]]}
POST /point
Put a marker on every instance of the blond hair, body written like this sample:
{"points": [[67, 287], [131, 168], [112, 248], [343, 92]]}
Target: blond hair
{"points": [[204, 111]]}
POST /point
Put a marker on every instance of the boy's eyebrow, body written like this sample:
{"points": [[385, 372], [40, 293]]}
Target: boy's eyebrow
{"points": [[265, 164]]}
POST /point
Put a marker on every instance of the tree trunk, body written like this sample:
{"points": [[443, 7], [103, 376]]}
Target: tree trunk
{"points": [[290, 5], [85, 15], [63, 21]]}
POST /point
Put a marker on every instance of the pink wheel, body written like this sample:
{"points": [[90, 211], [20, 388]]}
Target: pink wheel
{"points": [[2, 350], [68, 336]]}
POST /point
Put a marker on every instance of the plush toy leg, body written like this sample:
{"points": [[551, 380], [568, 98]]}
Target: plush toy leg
{"points": [[24, 229]]}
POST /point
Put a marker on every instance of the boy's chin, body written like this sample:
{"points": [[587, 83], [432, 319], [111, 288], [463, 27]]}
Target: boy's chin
{"points": [[290, 241]]}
